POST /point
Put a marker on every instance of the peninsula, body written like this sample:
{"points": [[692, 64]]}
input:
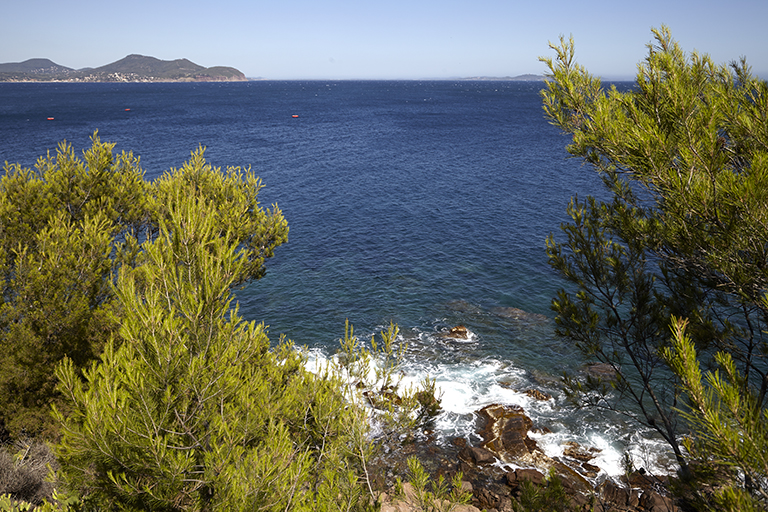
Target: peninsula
{"points": [[133, 68]]}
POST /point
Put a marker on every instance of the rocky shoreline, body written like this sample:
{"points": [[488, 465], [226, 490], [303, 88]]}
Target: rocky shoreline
{"points": [[496, 469]]}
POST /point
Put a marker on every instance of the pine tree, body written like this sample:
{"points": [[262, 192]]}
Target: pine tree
{"points": [[188, 408], [60, 235], [682, 231], [729, 440], [68, 227]]}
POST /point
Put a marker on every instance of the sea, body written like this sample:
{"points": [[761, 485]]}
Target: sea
{"points": [[421, 203]]}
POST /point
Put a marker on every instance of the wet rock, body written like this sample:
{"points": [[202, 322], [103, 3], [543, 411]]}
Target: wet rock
{"points": [[576, 451], [459, 332], [652, 501], [573, 481], [590, 470], [538, 395], [505, 432]]}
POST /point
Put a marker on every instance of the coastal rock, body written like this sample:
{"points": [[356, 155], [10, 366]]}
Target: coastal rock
{"points": [[538, 395], [459, 332], [611, 493], [576, 451], [505, 432], [477, 456], [652, 501], [516, 477], [590, 470], [487, 499]]}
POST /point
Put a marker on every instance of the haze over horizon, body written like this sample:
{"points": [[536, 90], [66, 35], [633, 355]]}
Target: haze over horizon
{"points": [[345, 39]]}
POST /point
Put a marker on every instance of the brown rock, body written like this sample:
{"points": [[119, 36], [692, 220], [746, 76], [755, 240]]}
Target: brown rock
{"points": [[505, 431], [531, 475], [476, 455], [591, 469], [458, 332], [576, 451], [486, 499], [538, 395], [613, 494], [571, 479]]}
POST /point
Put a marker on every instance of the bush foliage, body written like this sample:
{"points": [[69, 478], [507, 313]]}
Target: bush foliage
{"points": [[69, 225]]}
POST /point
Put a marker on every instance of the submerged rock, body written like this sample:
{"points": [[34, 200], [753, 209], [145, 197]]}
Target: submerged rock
{"points": [[519, 314], [601, 370]]}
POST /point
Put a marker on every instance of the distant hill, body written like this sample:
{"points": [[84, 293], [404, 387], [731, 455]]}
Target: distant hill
{"points": [[133, 68], [35, 66]]}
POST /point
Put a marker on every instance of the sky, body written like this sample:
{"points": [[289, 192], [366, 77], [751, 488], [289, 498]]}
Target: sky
{"points": [[379, 39]]}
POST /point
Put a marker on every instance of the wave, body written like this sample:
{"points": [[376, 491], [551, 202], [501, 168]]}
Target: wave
{"points": [[466, 384]]}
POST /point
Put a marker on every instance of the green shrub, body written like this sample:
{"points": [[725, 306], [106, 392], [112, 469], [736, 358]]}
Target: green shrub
{"points": [[189, 409]]}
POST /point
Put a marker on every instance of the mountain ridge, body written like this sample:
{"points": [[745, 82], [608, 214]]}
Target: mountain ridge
{"points": [[132, 68]]}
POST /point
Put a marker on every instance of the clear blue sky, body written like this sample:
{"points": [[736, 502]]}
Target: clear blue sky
{"points": [[338, 39]]}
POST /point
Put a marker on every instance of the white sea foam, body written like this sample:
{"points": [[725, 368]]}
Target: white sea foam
{"points": [[468, 386]]}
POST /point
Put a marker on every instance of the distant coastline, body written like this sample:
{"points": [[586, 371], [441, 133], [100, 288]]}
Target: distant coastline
{"points": [[519, 78], [140, 68], [133, 68]]}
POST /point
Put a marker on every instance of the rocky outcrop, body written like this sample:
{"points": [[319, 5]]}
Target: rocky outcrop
{"points": [[459, 332], [504, 432]]}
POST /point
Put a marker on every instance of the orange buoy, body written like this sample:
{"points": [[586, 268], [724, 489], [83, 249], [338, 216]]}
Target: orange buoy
{"points": [[295, 115], [50, 119], [127, 110]]}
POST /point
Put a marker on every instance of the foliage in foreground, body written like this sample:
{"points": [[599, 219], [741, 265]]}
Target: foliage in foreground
{"points": [[684, 159], [729, 441], [550, 497], [187, 408], [430, 495], [166, 399], [373, 378], [68, 226]]}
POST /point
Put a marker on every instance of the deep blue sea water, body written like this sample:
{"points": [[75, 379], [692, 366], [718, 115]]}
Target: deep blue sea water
{"points": [[424, 203]]}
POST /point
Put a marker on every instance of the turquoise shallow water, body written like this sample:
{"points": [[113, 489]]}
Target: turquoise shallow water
{"points": [[421, 203]]}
